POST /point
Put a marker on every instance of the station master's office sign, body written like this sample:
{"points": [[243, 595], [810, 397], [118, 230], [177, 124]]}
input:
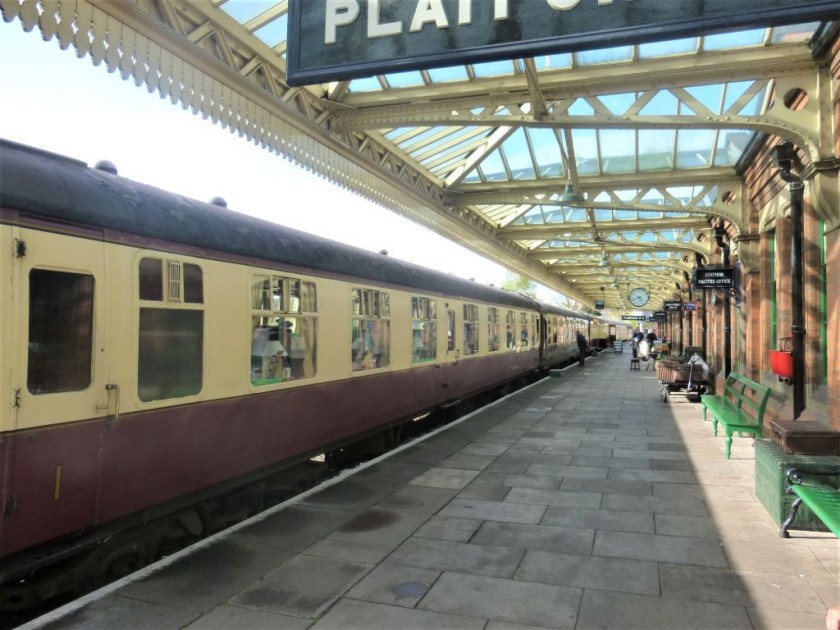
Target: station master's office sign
{"points": [[336, 40]]}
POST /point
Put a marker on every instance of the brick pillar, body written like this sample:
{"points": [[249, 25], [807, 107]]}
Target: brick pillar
{"points": [[832, 255]]}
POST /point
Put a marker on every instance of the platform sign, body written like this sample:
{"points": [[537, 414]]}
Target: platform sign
{"points": [[634, 318], [669, 306], [658, 315], [714, 278], [599, 305], [336, 40], [689, 306]]}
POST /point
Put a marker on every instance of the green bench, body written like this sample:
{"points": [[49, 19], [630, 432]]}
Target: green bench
{"points": [[821, 498], [740, 409]]}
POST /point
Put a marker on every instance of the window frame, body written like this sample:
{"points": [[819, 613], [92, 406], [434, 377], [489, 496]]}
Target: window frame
{"points": [[172, 300], [370, 310], [276, 300]]}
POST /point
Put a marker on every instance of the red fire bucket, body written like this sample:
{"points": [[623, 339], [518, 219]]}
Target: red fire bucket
{"points": [[781, 363]]}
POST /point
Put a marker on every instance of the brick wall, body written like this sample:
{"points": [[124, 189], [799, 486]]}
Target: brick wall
{"points": [[765, 186]]}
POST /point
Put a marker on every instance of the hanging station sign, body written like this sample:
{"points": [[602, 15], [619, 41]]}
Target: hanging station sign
{"points": [[670, 306], [714, 278], [634, 318], [336, 40], [599, 305]]}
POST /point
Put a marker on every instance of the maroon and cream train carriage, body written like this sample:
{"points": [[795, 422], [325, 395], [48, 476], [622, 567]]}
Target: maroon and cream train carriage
{"points": [[157, 351]]}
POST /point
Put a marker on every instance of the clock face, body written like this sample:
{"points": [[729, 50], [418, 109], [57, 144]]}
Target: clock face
{"points": [[639, 297]]}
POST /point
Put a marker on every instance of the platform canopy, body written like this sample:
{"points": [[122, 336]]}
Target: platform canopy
{"points": [[593, 172]]}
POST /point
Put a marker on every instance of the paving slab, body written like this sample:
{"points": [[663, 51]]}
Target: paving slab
{"points": [[682, 549], [427, 553], [302, 587], [546, 537], [542, 605], [603, 609], [612, 574], [350, 614], [767, 591]]}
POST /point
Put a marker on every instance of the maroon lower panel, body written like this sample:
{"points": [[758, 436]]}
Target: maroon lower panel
{"points": [[109, 470]]}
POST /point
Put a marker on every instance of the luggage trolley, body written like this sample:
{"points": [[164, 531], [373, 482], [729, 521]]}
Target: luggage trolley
{"points": [[676, 378]]}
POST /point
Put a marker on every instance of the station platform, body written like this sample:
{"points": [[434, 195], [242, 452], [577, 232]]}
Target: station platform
{"points": [[581, 502]]}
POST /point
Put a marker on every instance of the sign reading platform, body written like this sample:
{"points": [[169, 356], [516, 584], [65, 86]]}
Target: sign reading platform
{"points": [[714, 278], [336, 40], [634, 318]]}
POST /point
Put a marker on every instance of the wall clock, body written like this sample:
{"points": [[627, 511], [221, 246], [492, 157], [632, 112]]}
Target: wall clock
{"points": [[639, 297]]}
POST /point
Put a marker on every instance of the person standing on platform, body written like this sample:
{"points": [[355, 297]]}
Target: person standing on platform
{"points": [[583, 346]]}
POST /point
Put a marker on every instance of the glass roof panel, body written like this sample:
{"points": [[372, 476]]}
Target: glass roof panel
{"points": [[710, 96], [581, 108], [419, 138], [731, 146], [244, 10], [473, 177], [443, 135], [445, 75], [553, 62], [668, 48], [618, 103], [736, 39], [618, 150], [656, 149], [404, 79], [493, 69], [369, 84], [604, 55], [586, 151], [694, 148], [274, 32], [663, 104], [493, 168], [546, 152], [518, 155], [794, 32]]}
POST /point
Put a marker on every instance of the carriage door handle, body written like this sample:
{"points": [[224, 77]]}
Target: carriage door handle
{"points": [[111, 387]]}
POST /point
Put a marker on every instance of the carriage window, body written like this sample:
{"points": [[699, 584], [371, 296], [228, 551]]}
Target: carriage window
{"points": [[423, 330], [370, 329], [284, 318], [510, 319], [170, 355], [450, 331], [60, 331], [523, 330], [470, 329], [493, 341]]}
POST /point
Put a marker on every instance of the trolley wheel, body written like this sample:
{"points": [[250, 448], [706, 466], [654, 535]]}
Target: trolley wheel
{"points": [[664, 393]]}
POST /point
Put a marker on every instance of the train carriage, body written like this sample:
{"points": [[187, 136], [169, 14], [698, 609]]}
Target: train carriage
{"points": [[158, 350]]}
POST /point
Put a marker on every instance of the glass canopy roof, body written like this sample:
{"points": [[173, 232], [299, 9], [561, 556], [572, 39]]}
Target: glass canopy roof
{"points": [[644, 191]]}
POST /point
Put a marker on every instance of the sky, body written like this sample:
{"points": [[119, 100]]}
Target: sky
{"points": [[55, 101]]}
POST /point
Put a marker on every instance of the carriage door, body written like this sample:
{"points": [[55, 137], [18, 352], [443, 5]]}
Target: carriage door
{"points": [[61, 372]]}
